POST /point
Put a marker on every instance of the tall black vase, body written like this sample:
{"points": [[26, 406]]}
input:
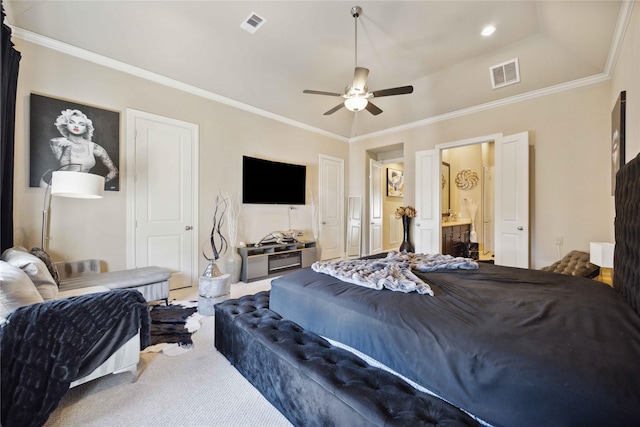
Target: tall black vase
{"points": [[406, 245]]}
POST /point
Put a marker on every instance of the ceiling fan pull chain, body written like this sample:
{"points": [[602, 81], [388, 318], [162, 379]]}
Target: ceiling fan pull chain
{"points": [[355, 12]]}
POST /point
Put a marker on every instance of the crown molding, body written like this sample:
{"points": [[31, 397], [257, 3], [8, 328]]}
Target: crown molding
{"points": [[598, 78], [158, 78], [623, 21], [618, 36]]}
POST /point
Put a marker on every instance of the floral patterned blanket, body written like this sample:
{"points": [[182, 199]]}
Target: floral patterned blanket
{"points": [[393, 272]]}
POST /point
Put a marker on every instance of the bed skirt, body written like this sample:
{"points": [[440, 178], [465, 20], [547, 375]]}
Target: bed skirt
{"points": [[313, 383]]}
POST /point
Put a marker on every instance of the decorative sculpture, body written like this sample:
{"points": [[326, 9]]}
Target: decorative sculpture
{"points": [[467, 179]]}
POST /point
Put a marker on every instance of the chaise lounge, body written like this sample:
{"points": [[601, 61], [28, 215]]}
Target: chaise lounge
{"points": [[63, 327]]}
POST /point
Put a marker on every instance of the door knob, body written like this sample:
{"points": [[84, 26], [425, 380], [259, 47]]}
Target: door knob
{"points": [[188, 227], [324, 223], [520, 228]]}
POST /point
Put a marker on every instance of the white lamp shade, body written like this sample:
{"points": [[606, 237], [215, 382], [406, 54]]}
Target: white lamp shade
{"points": [[602, 254], [80, 185], [356, 103]]}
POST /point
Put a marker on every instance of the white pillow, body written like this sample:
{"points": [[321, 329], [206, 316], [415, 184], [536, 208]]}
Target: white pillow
{"points": [[35, 268], [16, 289]]}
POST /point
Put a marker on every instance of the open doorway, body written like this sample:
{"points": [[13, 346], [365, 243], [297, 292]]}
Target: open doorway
{"points": [[468, 200], [386, 194], [511, 206]]}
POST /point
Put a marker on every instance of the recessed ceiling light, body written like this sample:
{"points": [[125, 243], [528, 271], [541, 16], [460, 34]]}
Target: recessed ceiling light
{"points": [[488, 30]]}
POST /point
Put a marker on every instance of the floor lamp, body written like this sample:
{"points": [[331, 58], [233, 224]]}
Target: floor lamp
{"points": [[80, 185]]}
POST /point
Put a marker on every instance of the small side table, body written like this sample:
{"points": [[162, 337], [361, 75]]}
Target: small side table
{"points": [[212, 290], [606, 276]]}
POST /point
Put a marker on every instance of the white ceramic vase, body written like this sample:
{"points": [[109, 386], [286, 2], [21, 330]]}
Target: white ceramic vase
{"points": [[233, 265]]}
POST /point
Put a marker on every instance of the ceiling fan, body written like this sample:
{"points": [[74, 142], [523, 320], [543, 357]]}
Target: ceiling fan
{"points": [[356, 95]]}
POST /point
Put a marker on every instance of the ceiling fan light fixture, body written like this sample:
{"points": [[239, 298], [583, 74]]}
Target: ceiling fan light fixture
{"points": [[356, 103]]}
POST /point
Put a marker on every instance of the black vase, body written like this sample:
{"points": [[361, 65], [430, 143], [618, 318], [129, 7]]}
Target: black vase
{"points": [[406, 245]]}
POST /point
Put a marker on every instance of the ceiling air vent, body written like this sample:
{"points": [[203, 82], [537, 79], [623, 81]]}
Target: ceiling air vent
{"points": [[253, 22], [505, 74]]}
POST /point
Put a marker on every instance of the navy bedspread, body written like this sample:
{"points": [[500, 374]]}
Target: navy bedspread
{"points": [[44, 347], [514, 347]]}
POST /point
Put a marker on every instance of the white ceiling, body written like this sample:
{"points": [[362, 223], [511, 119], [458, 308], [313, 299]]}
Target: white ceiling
{"points": [[433, 45]]}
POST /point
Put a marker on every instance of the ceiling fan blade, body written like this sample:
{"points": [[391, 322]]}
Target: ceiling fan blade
{"points": [[373, 109], [334, 109], [394, 91], [319, 92], [360, 78]]}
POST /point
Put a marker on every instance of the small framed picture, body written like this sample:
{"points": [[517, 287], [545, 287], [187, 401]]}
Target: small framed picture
{"points": [[68, 135], [395, 183]]}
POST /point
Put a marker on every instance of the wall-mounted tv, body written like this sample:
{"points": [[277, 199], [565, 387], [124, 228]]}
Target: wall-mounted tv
{"points": [[269, 182]]}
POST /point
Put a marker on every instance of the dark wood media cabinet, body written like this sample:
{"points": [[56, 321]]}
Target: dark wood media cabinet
{"points": [[270, 260]]}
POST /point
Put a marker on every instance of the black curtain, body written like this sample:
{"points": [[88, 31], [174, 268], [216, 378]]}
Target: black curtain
{"points": [[9, 72]]}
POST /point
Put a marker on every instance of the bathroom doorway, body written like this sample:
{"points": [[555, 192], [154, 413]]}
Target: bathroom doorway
{"points": [[468, 195]]}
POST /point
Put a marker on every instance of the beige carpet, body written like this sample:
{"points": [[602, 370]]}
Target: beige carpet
{"points": [[197, 388]]}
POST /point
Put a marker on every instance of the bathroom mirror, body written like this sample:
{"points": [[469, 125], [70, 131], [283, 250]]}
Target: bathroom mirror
{"points": [[446, 187], [354, 225]]}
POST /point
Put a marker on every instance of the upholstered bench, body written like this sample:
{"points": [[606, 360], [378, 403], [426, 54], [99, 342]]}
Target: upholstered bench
{"points": [[314, 383], [575, 263], [151, 282]]}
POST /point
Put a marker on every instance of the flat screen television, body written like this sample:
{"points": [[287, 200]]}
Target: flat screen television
{"points": [[269, 182]]}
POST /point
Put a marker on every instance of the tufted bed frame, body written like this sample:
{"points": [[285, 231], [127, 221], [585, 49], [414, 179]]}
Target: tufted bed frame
{"points": [[277, 341]]}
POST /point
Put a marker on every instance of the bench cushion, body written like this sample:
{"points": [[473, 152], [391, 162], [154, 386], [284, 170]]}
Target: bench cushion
{"points": [[575, 263], [151, 282], [118, 279]]}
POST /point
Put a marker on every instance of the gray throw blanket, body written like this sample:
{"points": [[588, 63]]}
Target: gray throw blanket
{"points": [[394, 271]]}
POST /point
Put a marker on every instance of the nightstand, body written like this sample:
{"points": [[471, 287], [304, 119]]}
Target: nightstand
{"points": [[606, 276]]}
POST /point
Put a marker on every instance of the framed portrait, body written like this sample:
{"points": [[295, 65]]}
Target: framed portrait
{"points": [[395, 183], [617, 138], [68, 135]]}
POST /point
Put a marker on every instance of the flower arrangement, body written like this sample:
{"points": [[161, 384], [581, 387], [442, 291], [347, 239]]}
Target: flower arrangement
{"points": [[408, 211]]}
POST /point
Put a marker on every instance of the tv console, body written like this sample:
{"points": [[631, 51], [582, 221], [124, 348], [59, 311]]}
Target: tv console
{"points": [[275, 259]]}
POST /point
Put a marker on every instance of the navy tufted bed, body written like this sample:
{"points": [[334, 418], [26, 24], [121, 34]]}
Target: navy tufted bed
{"points": [[512, 347]]}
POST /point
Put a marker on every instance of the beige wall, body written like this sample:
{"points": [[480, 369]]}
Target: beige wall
{"points": [[97, 229], [626, 76], [569, 134]]}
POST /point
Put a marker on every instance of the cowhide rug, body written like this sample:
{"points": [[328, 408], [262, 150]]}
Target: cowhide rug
{"points": [[172, 327]]}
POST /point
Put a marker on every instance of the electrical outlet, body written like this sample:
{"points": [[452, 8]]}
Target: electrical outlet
{"points": [[559, 240]]}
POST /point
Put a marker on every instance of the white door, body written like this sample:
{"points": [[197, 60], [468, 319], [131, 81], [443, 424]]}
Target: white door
{"points": [[331, 212], [164, 196], [427, 222], [375, 207], [354, 226], [512, 200]]}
